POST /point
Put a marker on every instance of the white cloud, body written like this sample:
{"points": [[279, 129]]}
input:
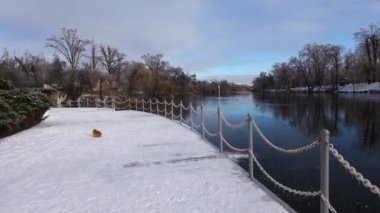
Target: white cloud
{"points": [[198, 35], [134, 26]]}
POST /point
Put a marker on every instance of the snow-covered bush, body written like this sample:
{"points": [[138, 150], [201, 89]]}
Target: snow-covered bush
{"points": [[8, 118], [21, 109]]}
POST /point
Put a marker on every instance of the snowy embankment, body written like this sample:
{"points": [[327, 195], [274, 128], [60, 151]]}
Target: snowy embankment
{"points": [[349, 88], [361, 87], [142, 163]]}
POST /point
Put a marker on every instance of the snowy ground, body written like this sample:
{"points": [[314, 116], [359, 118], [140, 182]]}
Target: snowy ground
{"points": [[349, 88], [361, 87], [143, 163]]}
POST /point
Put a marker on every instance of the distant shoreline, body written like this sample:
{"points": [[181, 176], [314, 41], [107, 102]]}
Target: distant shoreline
{"points": [[359, 88]]}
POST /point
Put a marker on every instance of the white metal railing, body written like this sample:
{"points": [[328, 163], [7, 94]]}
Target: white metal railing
{"points": [[167, 110]]}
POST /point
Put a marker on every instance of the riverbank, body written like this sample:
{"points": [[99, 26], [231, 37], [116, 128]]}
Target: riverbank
{"points": [[349, 88], [142, 163]]}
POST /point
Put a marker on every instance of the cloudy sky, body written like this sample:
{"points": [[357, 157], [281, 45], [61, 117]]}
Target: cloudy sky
{"points": [[214, 39]]}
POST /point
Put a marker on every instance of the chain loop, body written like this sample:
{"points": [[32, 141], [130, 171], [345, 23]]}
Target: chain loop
{"points": [[233, 126], [195, 111], [185, 120], [209, 114], [185, 108], [357, 175], [280, 149], [282, 186], [232, 147], [176, 106], [209, 133], [196, 125], [328, 203]]}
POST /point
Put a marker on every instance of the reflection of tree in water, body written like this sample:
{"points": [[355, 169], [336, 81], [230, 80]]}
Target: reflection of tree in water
{"points": [[363, 114], [311, 113]]}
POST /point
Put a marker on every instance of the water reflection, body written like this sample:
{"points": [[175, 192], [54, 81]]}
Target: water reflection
{"points": [[294, 120], [311, 113]]}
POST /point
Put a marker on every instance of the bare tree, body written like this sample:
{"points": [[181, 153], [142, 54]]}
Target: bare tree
{"points": [[69, 45], [369, 42], [336, 58], [94, 59], [302, 66], [155, 64], [91, 66], [317, 57], [112, 59], [34, 67], [281, 74]]}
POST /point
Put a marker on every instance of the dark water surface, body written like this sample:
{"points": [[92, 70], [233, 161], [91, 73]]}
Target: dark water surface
{"points": [[294, 120]]}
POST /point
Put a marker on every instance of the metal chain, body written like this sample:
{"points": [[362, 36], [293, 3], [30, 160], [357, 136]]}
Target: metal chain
{"points": [[282, 186], [207, 113], [150, 100], [161, 110], [357, 175], [107, 101], [176, 106], [328, 203], [232, 147], [122, 102], [233, 126], [185, 108], [176, 116], [196, 125], [195, 111], [161, 103], [286, 151], [186, 121], [209, 133]]}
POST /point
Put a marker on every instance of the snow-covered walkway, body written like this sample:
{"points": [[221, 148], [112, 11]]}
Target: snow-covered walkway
{"points": [[143, 163]]}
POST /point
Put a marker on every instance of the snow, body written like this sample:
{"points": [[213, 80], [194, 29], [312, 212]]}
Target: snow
{"points": [[349, 88], [142, 163], [361, 87]]}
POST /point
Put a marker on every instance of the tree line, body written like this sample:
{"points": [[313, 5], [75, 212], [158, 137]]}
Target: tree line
{"points": [[327, 64], [81, 66]]}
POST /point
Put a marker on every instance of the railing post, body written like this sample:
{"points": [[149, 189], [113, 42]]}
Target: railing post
{"points": [[220, 130], [78, 102], [250, 146], [143, 105], [87, 102], [150, 105], [324, 143], [157, 107], [113, 104], [136, 104], [129, 103], [172, 107], [180, 112], [203, 122], [70, 103], [165, 107], [191, 116]]}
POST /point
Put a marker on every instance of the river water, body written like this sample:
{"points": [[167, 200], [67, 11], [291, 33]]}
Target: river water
{"points": [[294, 120]]}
